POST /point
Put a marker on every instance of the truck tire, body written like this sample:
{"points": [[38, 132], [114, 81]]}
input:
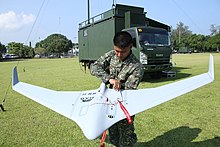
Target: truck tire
{"points": [[90, 66]]}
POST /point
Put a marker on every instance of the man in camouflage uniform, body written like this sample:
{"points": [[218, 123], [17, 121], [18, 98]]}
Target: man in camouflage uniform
{"points": [[121, 70]]}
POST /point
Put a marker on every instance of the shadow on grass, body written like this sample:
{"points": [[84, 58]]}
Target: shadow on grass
{"points": [[179, 75], [180, 137]]}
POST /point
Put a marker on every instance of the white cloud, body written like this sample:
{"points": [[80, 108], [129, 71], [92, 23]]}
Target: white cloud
{"points": [[10, 20]]}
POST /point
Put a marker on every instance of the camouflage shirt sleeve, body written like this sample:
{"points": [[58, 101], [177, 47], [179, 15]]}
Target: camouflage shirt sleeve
{"points": [[135, 78], [100, 68]]}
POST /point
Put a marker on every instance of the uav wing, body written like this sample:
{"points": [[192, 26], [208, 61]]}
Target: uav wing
{"points": [[147, 98], [59, 101], [96, 110]]}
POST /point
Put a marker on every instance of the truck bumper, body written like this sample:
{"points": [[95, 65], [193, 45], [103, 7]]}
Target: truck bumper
{"points": [[155, 68]]}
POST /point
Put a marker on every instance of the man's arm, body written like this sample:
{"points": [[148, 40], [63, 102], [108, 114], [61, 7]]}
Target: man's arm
{"points": [[100, 68]]}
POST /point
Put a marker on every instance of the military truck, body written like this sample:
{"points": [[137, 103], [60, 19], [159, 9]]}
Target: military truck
{"points": [[151, 42]]}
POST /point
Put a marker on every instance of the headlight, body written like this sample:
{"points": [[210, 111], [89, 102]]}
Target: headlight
{"points": [[143, 58]]}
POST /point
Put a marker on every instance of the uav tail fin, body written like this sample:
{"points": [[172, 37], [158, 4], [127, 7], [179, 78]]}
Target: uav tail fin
{"points": [[14, 76], [211, 67]]}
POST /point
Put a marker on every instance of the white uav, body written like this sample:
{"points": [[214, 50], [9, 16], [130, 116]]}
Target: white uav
{"points": [[96, 110]]}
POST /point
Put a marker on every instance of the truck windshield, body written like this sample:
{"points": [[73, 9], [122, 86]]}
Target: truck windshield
{"points": [[153, 37]]}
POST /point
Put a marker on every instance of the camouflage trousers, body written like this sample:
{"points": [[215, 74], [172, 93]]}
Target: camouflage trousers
{"points": [[122, 134]]}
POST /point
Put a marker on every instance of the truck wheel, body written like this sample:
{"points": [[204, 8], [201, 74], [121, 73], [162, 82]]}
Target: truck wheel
{"points": [[90, 66]]}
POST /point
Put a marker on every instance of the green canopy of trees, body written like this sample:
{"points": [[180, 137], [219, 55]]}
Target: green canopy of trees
{"points": [[20, 50], [2, 48], [183, 37], [55, 43]]}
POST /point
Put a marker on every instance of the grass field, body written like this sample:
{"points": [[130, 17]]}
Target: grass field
{"points": [[191, 120]]}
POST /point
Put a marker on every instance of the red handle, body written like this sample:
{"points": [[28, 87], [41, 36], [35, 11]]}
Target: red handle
{"points": [[102, 141], [128, 117]]}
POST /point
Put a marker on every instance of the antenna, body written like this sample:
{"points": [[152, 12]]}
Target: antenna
{"points": [[113, 3], [88, 12]]}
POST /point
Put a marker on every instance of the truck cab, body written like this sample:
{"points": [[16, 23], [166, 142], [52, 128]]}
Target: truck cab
{"points": [[152, 47]]}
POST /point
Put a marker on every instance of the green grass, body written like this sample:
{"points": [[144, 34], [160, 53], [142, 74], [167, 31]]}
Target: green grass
{"points": [[191, 120]]}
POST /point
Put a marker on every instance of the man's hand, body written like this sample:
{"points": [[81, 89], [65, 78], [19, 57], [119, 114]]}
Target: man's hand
{"points": [[116, 84]]}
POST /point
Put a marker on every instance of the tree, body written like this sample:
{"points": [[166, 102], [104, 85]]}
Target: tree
{"points": [[214, 29], [214, 43], [40, 50], [196, 42], [183, 37], [55, 43], [20, 49], [2, 48], [180, 34]]}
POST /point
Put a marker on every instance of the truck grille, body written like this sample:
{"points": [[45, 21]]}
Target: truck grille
{"points": [[158, 61]]}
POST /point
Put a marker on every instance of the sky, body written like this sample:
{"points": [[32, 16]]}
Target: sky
{"points": [[34, 20]]}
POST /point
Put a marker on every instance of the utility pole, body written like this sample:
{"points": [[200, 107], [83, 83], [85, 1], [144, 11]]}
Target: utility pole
{"points": [[59, 25], [88, 12]]}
